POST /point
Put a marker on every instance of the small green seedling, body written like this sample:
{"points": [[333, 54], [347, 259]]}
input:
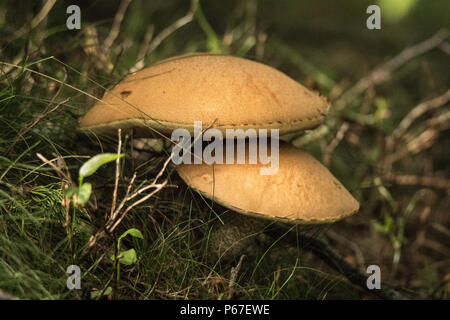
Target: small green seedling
{"points": [[127, 257], [81, 194]]}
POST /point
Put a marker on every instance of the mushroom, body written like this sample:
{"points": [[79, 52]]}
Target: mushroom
{"points": [[226, 92], [223, 92], [303, 191]]}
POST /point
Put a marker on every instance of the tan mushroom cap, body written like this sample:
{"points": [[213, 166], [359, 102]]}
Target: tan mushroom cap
{"points": [[302, 191], [222, 91]]}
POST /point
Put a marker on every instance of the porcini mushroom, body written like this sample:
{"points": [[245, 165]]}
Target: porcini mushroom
{"points": [[221, 91]]}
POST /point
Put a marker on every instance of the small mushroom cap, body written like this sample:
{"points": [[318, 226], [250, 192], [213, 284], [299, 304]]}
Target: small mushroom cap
{"points": [[302, 191], [221, 91]]}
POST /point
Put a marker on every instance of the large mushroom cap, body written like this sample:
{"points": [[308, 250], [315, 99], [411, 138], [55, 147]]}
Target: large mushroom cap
{"points": [[302, 191], [222, 91]]}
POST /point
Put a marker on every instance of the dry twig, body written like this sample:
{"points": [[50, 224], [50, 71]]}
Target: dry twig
{"points": [[167, 32], [143, 49], [419, 110], [118, 214], [424, 140], [330, 148], [116, 183], [43, 13], [384, 71], [434, 182], [115, 29], [233, 276]]}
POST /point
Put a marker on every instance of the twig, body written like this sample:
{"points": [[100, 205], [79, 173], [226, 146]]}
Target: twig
{"points": [[420, 142], [175, 26], [116, 182], [260, 45], [117, 215], [58, 170], [166, 163], [419, 110], [320, 249], [112, 36], [36, 20], [158, 187], [435, 182], [445, 47], [233, 276], [330, 148], [441, 121], [167, 32], [384, 71], [125, 199], [143, 49]]}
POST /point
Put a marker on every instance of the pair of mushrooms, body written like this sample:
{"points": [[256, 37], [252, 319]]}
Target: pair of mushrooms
{"points": [[229, 93]]}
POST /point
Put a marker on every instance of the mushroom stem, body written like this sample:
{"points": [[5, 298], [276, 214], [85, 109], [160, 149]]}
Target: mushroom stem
{"points": [[233, 236]]}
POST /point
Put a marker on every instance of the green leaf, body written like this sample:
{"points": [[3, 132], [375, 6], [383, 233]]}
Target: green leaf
{"points": [[128, 257], [132, 232], [384, 227], [92, 165], [385, 193], [84, 193]]}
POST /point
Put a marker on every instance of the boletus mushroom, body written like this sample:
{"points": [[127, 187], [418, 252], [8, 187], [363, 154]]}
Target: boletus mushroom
{"points": [[303, 191], [223, 92]]}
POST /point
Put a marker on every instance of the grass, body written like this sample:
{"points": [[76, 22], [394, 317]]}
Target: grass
{"points": [[50, 76]]}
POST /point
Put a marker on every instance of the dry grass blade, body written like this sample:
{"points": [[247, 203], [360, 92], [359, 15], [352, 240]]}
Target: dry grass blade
{"points": [[27, 128]]}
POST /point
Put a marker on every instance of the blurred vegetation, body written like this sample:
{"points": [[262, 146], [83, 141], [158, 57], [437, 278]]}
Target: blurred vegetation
{"points": [[49, 77]]}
